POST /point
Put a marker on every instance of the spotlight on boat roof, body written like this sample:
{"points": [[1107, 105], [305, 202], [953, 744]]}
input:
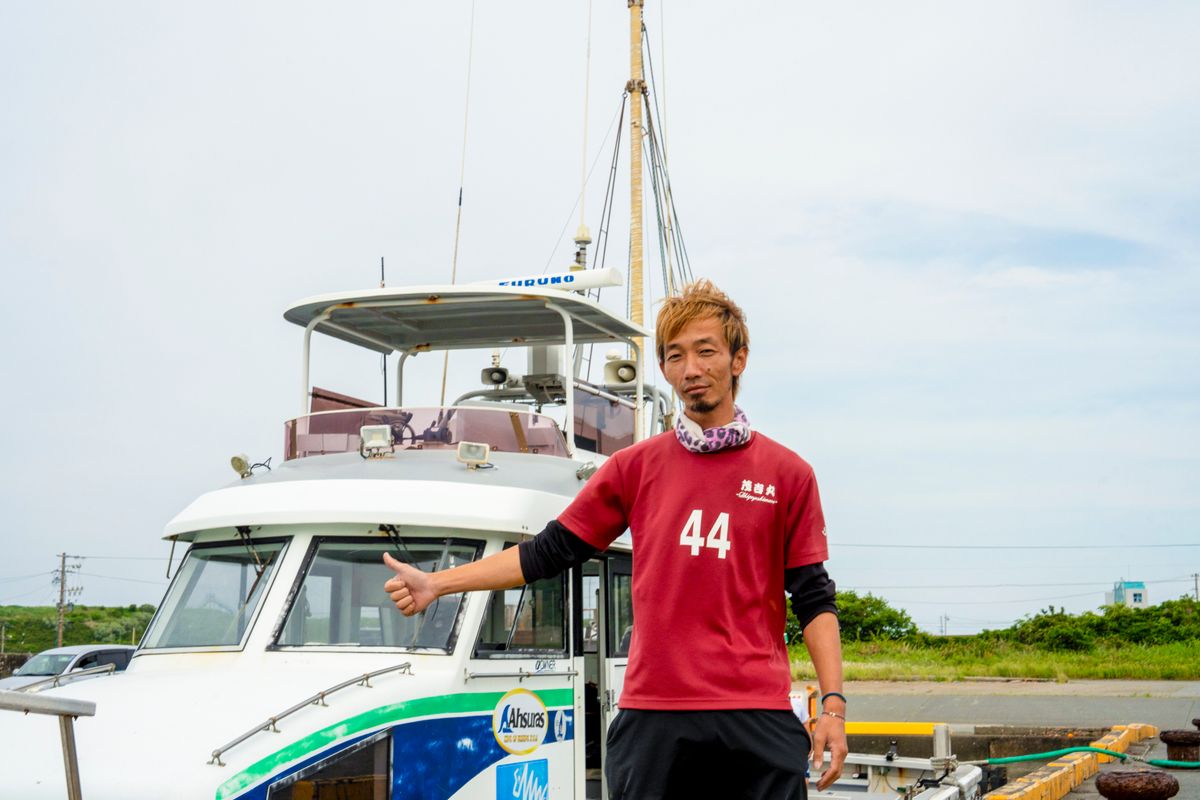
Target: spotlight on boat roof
{"points": [[241, 465], [474, 454], [376, 439]]}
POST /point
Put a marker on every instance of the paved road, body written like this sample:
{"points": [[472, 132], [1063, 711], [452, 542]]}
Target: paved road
{"points": [[1164, 704]]}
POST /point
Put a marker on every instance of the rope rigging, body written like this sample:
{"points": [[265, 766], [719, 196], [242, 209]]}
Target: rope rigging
{"points": [[669, 229]]}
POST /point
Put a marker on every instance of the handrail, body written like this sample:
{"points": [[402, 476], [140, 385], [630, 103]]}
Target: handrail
{"points": [[67, 710], [521, 674], [65, 677], [317, 699]]}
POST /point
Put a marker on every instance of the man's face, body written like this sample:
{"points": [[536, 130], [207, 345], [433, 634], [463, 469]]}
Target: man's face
{"points": [[700, 368]]}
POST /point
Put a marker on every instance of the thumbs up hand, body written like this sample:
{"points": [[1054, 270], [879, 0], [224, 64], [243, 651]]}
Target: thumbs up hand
{"points": [[410, 589]]}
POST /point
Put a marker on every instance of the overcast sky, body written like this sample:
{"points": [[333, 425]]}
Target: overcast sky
{"points": [[965, 236]]}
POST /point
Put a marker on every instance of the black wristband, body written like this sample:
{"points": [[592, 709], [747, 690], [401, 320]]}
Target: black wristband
{"points": [[828, 695]]}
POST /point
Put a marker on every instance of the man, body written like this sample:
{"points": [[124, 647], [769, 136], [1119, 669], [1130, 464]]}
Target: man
{"points": [[723, 521]]}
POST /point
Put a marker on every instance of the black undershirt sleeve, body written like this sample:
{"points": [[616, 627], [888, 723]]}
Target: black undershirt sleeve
{"points": [[552, 551], [812, 592]]}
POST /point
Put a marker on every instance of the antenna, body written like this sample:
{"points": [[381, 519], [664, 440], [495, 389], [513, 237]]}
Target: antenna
{"points": [[383, 356], [462, 177]]}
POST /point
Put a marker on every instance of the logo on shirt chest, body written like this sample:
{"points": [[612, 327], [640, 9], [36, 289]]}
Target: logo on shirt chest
{"points": [[757, 492]]}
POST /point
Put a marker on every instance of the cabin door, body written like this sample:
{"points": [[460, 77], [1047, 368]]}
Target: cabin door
{"points": [[607, 626]]}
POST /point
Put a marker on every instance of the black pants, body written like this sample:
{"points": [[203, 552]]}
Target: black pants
{"points": [[748, 755]]}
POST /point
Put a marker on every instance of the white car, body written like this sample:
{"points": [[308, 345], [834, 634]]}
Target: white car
{"points": [[58, 660]]}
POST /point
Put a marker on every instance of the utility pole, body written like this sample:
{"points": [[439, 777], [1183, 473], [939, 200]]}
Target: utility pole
{"points": [[945, 620], [3, 636], [61, 578], [1196, 581]]}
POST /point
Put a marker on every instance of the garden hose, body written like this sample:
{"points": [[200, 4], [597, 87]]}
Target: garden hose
{"points": [[1154, 762]]}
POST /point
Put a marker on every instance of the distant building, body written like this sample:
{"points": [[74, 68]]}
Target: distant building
{"points": [[1128, 593]]}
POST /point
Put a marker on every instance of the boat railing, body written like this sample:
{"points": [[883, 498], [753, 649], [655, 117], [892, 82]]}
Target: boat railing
{"points": [[317, 699], [66, 677], [506, 430], [67, 711]]}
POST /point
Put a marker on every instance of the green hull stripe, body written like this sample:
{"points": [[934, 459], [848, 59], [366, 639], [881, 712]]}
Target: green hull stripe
{"points": [[464, 703]]}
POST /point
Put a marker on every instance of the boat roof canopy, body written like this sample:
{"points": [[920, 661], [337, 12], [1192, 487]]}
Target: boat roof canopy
{"points": [[422, 318]]}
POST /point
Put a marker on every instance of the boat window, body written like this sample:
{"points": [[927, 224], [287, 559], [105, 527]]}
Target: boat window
{"points": [[601, 425], [620, 594], [214, 597], [528, 620], [340, 601], [361, 771], [591, 609]]}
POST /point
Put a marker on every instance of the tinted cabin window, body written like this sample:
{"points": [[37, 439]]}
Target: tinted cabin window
{"points": [[621, 612], [360, 773], [601, 425], [528, 620]]}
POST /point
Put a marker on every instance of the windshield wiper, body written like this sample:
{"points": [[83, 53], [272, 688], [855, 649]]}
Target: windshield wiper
{"points": [[260, 568], [243, 532], [393, 532]]}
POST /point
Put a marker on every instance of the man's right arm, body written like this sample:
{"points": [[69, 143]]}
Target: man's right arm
{"points": [[552, 551]]}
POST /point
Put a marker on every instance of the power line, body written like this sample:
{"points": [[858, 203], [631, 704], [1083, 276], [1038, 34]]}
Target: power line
{"points": [[125, 558], [25, 577], [1010, 601], [22, 594], [924, 586], [1088, 546], [119, 578]]}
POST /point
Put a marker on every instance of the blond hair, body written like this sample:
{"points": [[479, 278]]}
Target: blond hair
{"points": [[701, 300]]}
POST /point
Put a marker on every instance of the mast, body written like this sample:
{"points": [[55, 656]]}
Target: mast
{"points": [[637, 91]]}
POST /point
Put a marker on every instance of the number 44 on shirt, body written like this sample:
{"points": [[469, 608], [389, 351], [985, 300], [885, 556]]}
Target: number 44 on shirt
{"points": [[718, 534]]}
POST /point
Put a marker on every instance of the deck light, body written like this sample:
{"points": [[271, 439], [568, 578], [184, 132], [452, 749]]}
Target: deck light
{"points": [[375, 440], [474, 454], [241, 465]]}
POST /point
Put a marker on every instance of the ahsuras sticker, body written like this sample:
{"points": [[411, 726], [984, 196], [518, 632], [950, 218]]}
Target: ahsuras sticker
{"points": [[520, 722]]}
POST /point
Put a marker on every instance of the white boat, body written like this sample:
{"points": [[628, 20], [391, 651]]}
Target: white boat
{"points": [[252, 680]]}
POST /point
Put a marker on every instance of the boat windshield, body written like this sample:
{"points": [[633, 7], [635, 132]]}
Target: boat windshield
{"points": [[45, 664], [340, 601], [215, 595]]}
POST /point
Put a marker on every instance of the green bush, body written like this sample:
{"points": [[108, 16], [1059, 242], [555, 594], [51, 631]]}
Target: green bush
{"points": [[863, 618], [1116, 626]]}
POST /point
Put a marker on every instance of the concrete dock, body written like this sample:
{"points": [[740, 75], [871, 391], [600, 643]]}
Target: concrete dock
{"points": [[1084, 705]]}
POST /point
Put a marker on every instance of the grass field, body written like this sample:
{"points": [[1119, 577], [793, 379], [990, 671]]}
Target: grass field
{"points": [[971, 657], [31, 629]]}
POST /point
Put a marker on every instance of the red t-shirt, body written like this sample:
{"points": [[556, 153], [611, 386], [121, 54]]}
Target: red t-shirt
{"points": [[712, 535]]}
